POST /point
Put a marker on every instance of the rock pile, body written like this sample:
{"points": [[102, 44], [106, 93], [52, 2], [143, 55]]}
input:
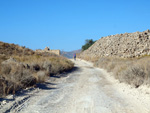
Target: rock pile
{"points": [[127, 45]]}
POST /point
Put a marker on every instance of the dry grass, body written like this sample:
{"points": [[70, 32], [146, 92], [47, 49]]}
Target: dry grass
{"points": [[26, 68], [88, 58], [3, 58], [14, 76], [132, 71]]}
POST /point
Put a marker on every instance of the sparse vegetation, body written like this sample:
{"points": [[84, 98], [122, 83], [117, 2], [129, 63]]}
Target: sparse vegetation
{"points": [[126, 55], [135, 71], [21, 67]]}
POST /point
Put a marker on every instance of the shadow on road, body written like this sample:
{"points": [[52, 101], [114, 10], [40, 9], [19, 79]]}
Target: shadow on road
{"points": [[24, 92], [45, 86], [73, 70], [1, 99], [65, 74]]}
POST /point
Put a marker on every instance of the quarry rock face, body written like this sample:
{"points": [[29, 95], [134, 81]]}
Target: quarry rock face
{"points": [[127, 45]]}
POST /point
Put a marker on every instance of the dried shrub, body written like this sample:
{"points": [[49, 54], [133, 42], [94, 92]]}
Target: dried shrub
{"points": [[134, 75], [26, 68], [15, 76], [132, 71], [18, 75], [41, 76], [3, 58]]}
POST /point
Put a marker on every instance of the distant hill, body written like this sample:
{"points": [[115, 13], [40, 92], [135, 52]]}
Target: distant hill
{"points": [[70, 54], [127, 45]]}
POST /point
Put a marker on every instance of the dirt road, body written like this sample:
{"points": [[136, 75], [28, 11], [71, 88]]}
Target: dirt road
{"points": [[85, 90]]}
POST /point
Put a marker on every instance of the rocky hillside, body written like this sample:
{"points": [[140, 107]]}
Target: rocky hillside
{"points": [[127, 45]]}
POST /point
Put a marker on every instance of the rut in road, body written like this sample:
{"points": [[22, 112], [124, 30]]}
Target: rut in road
{"points": [[85, 90]]}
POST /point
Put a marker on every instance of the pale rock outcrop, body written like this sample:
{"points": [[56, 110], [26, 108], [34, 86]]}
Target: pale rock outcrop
{"points": [[127, 45]]}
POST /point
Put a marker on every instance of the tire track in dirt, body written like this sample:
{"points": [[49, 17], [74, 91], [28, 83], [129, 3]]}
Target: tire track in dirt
{"points": [[85, 90]]}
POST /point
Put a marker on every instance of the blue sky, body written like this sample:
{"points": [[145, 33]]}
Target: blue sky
{"points": [[66, 24]]}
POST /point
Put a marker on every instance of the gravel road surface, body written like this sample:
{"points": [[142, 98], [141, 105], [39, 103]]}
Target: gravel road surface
{"points": [[85, 89]]}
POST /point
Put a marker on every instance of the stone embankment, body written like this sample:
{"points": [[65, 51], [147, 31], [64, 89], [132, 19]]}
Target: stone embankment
{"points": [[127, 45]]}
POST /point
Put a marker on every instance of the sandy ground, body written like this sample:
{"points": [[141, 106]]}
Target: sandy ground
{"points": [[84, 90]]}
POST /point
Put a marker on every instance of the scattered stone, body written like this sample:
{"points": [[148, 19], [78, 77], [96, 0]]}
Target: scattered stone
{"points": [[11, 97], [126, 45], [4, 102]]}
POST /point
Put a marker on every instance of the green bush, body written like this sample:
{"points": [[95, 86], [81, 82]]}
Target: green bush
{"points": [[88, 43]]}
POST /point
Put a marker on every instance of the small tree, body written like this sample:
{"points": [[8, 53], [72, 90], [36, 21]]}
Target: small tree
{"points": [[87, 44]]}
